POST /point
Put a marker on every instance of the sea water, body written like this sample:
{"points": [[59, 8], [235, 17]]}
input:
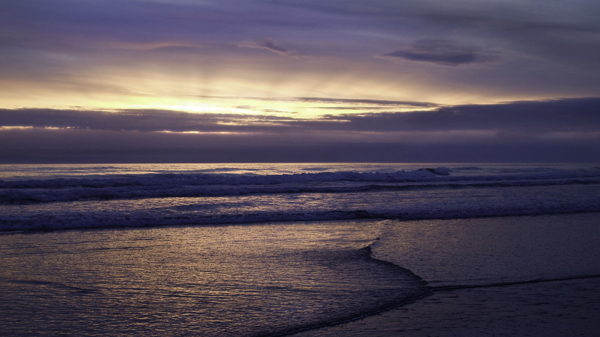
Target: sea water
{"points": [[270, 249], [205, 281], [89, 196]]}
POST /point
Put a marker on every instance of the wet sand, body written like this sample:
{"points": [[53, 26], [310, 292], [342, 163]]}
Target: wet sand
{"points": [[555, 308], [483, 275]]}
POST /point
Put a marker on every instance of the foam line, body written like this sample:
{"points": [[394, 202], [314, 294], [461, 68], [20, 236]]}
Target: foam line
{"points": [[507, 284]]}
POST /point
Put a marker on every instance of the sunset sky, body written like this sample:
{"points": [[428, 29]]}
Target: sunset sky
{"points": [[299, 80]]}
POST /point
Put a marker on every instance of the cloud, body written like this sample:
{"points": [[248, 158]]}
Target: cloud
{"points": [[576, 117], [350, 101], [536, 117], [557, 130], [444, 52], [518, 16], [85, 146], [552, 53], [268, 44], [83, 25], [138, 120], [364, 101]]}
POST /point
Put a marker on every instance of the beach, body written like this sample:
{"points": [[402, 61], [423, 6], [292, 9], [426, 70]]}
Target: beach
{"points": [[272, 168], [515, 276], [315, 274], [556, 308], [273, 250]]}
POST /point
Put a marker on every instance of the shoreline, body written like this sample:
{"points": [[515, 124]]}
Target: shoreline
{"points": [[484, 273], [514, 276], [548, 308]]}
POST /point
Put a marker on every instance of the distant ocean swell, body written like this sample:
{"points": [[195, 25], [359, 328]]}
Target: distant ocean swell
{"points": [[28, 194], [74, 220], [138, 200], [211, 185]]}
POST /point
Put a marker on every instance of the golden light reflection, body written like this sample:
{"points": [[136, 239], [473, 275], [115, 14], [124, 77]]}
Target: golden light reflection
{"points": [[15, 127], [208, 132], [28, 127]]}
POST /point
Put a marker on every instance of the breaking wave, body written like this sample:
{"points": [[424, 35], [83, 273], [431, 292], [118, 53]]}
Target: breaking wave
{"points": [[193, 198]]}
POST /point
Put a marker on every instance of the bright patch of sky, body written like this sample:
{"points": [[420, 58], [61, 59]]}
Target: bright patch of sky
{"points": [[366, 69]]}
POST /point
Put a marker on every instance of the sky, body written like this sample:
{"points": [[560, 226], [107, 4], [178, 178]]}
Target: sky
{"points": [[299, 81]]}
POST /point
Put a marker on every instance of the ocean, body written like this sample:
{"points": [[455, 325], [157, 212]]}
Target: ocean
{"points": [[274, 249]]}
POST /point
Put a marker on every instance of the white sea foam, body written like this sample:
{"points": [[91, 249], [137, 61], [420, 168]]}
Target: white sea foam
{"points": [[172, 197]]}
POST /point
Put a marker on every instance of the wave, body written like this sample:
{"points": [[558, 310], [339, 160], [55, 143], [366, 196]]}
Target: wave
{"points": [[145, 186], [169, 199], [86, 192], [317, 286], [198, 179], [202, 179], [513, 283], [409, 289], [87, 220]]}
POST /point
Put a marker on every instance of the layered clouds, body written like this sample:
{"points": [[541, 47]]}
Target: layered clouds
{"points": [[534, 118], [560, 130], [144, 52], [401, 80]]}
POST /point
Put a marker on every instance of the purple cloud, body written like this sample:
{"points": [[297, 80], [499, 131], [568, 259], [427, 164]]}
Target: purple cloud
{"points": [[268, 44], [444, 52]]}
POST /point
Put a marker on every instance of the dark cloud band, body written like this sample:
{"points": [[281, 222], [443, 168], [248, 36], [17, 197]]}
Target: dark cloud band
{"points": [[444, 52], [568, 115]]}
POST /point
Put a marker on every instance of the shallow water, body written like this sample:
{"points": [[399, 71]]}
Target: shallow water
{"points": [[270, 279], [266, 278], [211, 281], [494, 250], [504, 276]]}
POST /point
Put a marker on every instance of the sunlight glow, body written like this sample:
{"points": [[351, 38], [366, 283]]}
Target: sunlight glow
{"points": [[209, 132], [15, 127]]}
